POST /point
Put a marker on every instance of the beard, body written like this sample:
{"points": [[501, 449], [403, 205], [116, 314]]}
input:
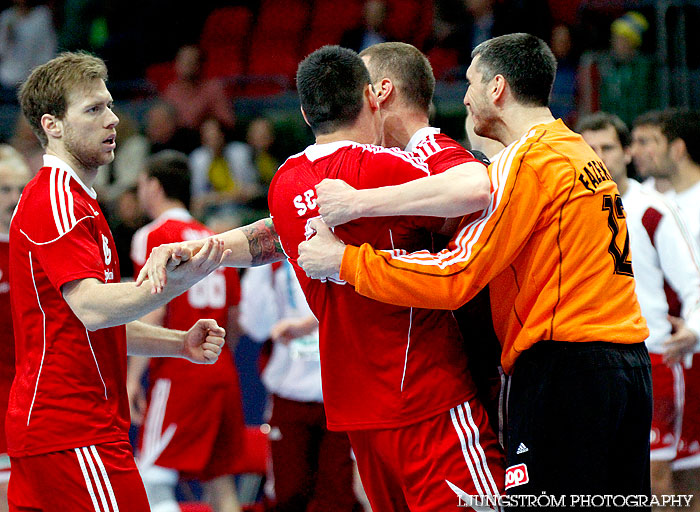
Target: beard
{"points": [[88, 156]]}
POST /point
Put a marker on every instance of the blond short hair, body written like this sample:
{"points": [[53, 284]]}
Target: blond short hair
{"points": [[47, 87]]}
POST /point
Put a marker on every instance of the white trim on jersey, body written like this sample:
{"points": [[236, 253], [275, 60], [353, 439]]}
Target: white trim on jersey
{"points": [[419, 136], [59, 236], [97, 365], [408, 345], [474, 456], [316, 151], [43, 351], [54, 161], [61, 194], [54, 203], [62, 205]]}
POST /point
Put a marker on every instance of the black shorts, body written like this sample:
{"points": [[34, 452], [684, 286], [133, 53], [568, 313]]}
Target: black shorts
{"points": [[578, 420]]}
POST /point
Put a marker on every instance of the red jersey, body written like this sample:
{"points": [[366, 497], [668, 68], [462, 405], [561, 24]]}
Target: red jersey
{"points": [[70, 387], [7, 353], [210, 298], [382, 366]]}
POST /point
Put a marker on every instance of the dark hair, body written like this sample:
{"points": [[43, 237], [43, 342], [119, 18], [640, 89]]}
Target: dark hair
{"points": [[408, 69], [172, 170], [524, 60], [331, 82], [684, 125], [600, 121], [651, 118]]}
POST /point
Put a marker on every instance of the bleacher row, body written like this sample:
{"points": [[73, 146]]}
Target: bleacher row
{"points": [[258, 53]]}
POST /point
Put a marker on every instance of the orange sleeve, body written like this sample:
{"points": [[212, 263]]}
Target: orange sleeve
{"points": [[482, 248]]}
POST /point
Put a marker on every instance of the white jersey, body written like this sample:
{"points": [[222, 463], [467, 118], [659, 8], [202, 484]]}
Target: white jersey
{"points": [[689, 203], [269, 294], [666, 261]]}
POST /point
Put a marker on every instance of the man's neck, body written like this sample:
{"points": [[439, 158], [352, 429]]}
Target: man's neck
{"points": [[355, 133], [400, 126], [685, 177], [623, 185], [517, 120], [87, 176], [160, 207]]}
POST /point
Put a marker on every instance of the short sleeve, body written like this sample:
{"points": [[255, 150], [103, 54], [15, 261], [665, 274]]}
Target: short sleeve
{"points": [[74, 255]]}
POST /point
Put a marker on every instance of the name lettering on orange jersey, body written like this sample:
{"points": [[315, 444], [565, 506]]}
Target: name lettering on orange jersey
{"points": [[594, 173]]}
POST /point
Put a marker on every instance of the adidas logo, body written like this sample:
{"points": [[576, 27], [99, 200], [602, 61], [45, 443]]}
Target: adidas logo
{"points": [[522, 449]]}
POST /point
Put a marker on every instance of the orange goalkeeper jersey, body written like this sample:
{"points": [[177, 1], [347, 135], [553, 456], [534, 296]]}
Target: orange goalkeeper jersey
{"points": [[553, 245]]}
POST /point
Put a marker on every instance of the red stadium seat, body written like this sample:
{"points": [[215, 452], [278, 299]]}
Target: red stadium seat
{"points": [[274, 57], [224, 41], [225, 27], [161, 75], [443, 61], [283, 18], [318, 38], [402, 19], [336, 17], [224, 61]]}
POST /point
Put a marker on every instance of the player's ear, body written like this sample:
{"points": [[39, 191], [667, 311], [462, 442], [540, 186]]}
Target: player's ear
{"points": [[303, 114], [52, 125], [677, 149], [628, 155], [384, 89], [497, 88]]}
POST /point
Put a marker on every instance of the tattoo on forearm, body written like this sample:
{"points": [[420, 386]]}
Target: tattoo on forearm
{"points": [[263, 242]]}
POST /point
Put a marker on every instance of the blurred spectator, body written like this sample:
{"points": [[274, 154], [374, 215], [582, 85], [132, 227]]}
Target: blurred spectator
{"points": [[127, 218], [28, 145], [563, 102], [27, 39], [163, 131], [223, 174], [483, 20], [372, 30], [621, 79], [260, 138], [194, 97], [461, 25]]}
